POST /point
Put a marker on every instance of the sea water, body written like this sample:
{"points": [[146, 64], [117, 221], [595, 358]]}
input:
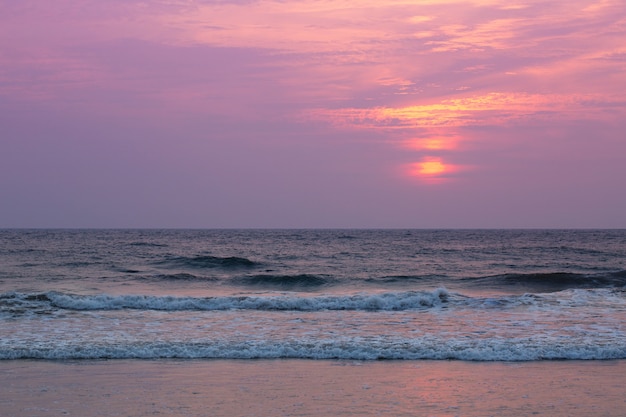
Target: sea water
{"points": [[481, 295]]}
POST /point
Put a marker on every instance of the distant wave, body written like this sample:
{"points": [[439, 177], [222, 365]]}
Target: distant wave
{"points": [[283, 281], [207, 261], [401, 279], [148, 244], [554, 281], [183, 276]]}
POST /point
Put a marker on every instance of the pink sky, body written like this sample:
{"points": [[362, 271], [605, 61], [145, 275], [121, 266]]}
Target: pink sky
{"points": [[342, 113]]}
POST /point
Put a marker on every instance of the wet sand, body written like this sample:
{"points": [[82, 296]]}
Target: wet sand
{"points": [[311, 388]]}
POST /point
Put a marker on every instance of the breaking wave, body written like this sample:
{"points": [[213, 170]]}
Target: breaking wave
{"points": [[366, 302], [24, 303]]}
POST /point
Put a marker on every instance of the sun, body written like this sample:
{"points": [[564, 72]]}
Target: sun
{"points": [[430, 169]]}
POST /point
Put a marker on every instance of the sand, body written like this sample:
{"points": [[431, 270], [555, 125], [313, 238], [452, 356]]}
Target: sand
{"points": [[311, 388]]}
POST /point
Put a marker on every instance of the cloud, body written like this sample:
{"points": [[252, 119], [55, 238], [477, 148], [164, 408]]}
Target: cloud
{"points": [[479, 110]]}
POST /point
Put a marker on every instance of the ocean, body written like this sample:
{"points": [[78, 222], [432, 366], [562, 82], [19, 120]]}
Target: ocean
{"points": [[469, 295]]}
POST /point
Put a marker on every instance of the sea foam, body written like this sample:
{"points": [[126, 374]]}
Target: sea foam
{"points": [[360, 348], [368, 302]]}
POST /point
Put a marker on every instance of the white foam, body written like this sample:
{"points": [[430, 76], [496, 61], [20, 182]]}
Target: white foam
{"points": [[368, 302], [354, 349], [388, 301]]}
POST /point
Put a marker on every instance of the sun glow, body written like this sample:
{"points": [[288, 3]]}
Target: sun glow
{"points": [[434, 142], [446, 125], [431, 169]]}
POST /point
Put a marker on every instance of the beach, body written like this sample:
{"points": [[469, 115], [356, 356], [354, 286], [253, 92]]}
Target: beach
{"points": [[285, 387]]}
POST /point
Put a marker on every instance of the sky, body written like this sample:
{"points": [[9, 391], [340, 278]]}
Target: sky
{"points": [[313, 114]]}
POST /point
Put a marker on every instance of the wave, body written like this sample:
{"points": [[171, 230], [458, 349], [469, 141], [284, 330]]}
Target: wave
{"points": [[207, 261], [354, 348], [553, 281], [15, 303], [403, 279], [182, 276], [148, 244], [283, 281], [366, 302]]}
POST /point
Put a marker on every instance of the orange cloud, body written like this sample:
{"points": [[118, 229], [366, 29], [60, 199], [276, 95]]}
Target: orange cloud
{"points": [[434, 141], [480, 110]]}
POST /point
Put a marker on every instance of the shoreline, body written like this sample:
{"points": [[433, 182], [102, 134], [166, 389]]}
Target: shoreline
{"points": [[275, 387]]}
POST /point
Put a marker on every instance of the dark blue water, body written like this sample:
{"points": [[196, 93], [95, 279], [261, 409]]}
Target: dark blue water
{"points": [[354, 294]]}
